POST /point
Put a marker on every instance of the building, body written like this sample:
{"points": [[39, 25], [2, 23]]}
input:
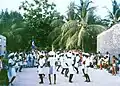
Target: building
{"points": [[109, 40], [2, 45]]}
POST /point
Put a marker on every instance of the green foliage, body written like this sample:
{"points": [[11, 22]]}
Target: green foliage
{"points": [[12, 26], [5, 61], [82, 28], [43, 23], [41, 18], [114, 16]]}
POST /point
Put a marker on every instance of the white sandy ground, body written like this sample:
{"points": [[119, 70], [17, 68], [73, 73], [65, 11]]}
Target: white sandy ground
{"points": [[29, 77]]}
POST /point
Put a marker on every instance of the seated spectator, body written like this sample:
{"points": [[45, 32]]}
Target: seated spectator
{"points": [[106, 62], [114, 66]]}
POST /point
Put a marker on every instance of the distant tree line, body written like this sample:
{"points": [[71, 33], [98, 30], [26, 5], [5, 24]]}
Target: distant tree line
{"points": [[49, 29]]}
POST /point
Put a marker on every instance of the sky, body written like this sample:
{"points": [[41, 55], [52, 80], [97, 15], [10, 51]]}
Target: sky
{"points": [[61, 5]]}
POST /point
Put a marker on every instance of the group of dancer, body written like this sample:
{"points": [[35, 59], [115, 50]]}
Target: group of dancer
{"points": [[68, 62], [49, 63]]}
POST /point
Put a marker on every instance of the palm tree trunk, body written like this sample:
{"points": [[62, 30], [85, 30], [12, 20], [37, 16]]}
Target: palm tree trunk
{"points": [[82, 45], [52, 47], [80, 36]]}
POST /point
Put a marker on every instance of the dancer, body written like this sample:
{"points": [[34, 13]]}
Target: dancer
{"points": [[52, 60], [40, 68]]}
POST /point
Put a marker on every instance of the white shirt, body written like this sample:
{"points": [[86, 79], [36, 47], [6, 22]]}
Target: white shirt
{"points": [[87, 62], [84, 58], [71, 68], [11, 61], [76, 62], [52, 61], [41, 61]]}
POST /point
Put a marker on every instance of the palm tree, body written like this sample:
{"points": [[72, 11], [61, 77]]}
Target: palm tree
{"points": [[71, 11], [114, 16], [54, 34], [73, 31], [14, 36]]}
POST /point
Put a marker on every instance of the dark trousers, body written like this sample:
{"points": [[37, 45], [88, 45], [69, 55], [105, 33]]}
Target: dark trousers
{"points": [[87, 77], [63, 70], [41, 78], [58, 67], [83, 70], [54, 78], [66, 71], [70, 78], [76, 69], [20, 68]]}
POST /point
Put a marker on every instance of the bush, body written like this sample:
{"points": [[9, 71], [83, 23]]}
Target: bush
{"points": [[3, 73], [3, 77]]}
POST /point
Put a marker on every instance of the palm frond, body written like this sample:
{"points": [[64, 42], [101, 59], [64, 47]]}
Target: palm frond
{"points": [[72, 41], [97, 28], [54, 33], [57, 40], [111, 15], [116, 13]]}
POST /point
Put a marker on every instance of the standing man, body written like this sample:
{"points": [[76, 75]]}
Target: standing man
{"points": [[70, 66], [108, 56], [83, 63], [52, 70], [77, 60], [87, 64], [41, 63], [20, 62], [64, 64], [11, 70]]}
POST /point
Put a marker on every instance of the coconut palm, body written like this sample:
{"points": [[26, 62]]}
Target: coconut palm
{"points": [[73, 31], [114, 16], [14, 36], [54, 34], [71, 11]]}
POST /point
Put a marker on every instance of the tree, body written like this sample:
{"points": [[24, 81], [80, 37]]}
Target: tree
{"points": [[114, 16], [71, 11], [39, 15], [74, 32], [13, 27]]}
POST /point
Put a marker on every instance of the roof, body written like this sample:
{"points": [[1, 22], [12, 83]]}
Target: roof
{"points": [[3, 36], [109, 30]]}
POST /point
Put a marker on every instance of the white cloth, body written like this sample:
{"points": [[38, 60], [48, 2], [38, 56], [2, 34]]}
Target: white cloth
{"points": [[11, 71], [86, 70], [40, 67], [107, 55], [63, 62], [114, 65], [71, 68], [87, 62], [17, 64], [77, 60], [20, 60], [83, 59], [52, 68], [91, 58]]}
